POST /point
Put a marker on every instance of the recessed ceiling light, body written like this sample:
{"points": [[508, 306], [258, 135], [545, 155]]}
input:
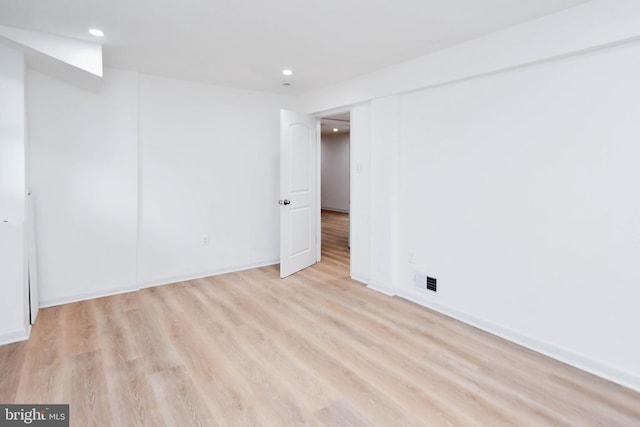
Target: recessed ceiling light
{"points": [[287, 72], [335, 129], [96, 32]]}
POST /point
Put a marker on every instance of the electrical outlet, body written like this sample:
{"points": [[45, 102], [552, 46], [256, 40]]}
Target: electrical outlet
{"points": [[412, 258], [205, 240]]}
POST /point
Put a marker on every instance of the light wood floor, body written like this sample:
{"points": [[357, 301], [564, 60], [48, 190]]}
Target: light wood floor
{"points": [[315, 349]]}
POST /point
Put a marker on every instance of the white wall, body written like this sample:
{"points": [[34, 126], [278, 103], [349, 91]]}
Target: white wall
{"points": [[517, 191], [13, 303], [83, 167], [335, 172], [359, 215], [12, 136], [129, 177], [383, 197], [209, 165]]}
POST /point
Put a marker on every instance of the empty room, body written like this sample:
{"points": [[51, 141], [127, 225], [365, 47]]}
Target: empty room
{"points": [[340, 213]]}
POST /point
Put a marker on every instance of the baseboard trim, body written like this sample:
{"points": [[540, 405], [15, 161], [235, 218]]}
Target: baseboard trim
{"points": [[381, 288], [334, 210], [624, 378], [16, 335], [149, 284], [187, 277], [87, 296], [361, 280]]}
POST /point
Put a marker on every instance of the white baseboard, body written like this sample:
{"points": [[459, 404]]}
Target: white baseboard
{"points": [[361, 280], [193, 276], [86, 296], [15, 335], [580, 361], [334, 210], [149, 284], [381, 288]]}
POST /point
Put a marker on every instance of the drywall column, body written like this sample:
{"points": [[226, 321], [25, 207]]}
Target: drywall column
{"points": [[13, 304], [384, 177]]}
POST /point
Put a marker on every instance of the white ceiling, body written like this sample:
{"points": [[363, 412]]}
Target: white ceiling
{"points": [[246, 43]]}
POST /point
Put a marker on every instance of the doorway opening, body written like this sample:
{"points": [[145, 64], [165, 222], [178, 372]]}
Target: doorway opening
{"points": [[335, 186]]}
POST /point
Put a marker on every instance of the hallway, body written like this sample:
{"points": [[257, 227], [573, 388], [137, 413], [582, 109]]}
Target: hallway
{"points": [[335, 238]]}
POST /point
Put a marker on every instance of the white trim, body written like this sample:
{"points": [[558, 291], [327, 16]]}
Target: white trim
{"points": [[577, 360], [333, 111], [139, 174], [318, 190], [16, 335], [152, 283], [361, 280], [319, 116], [334, 210], [187, 277], [86, 296], [381, 288]]}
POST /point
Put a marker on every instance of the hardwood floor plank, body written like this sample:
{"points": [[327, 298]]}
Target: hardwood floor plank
{"points": [[340, 413], [317, 348], [80, 335], [116, 339], [11, 361], [132, 398], [43, 369], [85, 385]]}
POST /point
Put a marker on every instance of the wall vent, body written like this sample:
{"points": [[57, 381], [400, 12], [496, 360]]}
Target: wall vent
{"points": [[424, 282], [432, 284]]}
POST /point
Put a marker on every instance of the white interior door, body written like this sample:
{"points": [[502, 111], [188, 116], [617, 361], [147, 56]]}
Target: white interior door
{"points": [[298, 192]]}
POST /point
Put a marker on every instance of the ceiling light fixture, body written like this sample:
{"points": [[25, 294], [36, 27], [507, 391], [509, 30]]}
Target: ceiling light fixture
{"points": [[335, 129], [287, 72], [96, 32]]}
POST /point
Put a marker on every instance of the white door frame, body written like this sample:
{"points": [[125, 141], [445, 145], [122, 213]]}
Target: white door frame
{"points": [[318, 191]]}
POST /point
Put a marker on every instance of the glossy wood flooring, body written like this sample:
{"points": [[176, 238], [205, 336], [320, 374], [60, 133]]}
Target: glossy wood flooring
{"points": [[315, 349]]}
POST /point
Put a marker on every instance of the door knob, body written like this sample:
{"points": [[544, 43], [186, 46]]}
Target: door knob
{"points": [[284, 202]]}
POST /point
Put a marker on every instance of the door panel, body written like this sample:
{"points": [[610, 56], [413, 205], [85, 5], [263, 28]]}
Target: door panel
{"points": [[299, 241], [300, 155], [298, 210]]}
